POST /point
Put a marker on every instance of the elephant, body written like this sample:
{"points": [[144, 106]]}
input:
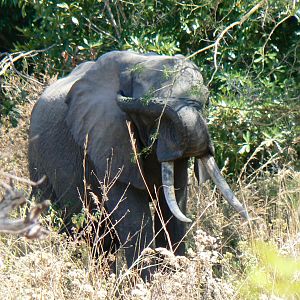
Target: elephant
{"points": [[78, 136]]}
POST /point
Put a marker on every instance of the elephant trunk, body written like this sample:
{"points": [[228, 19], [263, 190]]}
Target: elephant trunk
{"points": [[167, 170], [215, 174], [178, 138]]}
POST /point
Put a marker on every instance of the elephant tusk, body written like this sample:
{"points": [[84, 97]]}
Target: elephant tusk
{"points": [[167, 172], [203, 174], [214, 172]]}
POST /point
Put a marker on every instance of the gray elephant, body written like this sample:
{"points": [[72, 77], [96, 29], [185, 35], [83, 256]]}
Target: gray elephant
{"points": [[79, 137]]}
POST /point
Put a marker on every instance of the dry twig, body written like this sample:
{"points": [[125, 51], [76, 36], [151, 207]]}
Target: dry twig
{"points": [[10, 58], [29, 227]]}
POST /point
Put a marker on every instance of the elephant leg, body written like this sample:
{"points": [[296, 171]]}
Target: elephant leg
{"points": [[175, 229], [104, 243], [131, 218]]}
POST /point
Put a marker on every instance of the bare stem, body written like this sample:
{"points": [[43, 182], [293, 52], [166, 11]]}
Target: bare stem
{"points": [[29, 227]]}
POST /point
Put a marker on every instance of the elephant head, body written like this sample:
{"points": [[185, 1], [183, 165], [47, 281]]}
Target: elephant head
{"points": [[163, 96]]}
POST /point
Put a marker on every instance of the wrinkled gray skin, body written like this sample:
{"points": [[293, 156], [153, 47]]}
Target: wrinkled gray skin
{"points": [[96, 99]]}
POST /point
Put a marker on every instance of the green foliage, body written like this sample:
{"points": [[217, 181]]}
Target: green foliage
{"points": [[255, 110], [8, 108], [12, 19], [253, 119], [13, 93], [253, 75], [79, 220], [273, 274]]}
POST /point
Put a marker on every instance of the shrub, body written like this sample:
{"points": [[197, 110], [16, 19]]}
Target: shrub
{"points": [[252, 69]]}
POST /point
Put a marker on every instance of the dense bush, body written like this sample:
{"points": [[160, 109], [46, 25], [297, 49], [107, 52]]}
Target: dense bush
{"points": [[12, 19], [253, 74]]}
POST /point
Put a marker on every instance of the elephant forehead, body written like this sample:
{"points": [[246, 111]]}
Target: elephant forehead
{"points": [[188, 83], [169, 77]]}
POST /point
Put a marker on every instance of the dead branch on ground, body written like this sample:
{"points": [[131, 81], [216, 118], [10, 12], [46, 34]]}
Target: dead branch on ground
{"points": [[28, 227]]}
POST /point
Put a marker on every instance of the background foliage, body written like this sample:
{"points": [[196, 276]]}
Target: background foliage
{"points": [[253, 74]]}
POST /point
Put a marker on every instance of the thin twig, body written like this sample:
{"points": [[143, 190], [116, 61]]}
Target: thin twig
{"points": [[216, 44], [30, 227], [27, 181], [267, 40], [237, 23], [113, 21], [9, 59]]}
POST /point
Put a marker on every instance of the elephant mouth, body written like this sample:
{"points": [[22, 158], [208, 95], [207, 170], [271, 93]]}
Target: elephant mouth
{"points": [[207, 168]]}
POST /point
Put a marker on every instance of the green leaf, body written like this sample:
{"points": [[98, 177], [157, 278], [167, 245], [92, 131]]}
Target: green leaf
{"points": [[75, 21], [63, 5]]}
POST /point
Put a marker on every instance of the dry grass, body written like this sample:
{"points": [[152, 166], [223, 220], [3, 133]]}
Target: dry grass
{"points": [[14, 140], [13, 144], [220, 246]]}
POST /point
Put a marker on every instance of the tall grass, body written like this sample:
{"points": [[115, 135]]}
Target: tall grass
{"points": [[223, 260], [226, 257]]}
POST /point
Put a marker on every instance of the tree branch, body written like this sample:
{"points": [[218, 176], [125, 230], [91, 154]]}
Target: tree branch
{"points": [[29, 227], [10, 58], [112, 18], [216, 44]]}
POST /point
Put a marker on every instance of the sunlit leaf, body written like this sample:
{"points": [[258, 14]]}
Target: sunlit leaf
{"points": [[75, 21]]}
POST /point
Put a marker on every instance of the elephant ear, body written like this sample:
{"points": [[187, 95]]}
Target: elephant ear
{"points": [[97, 123]]}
